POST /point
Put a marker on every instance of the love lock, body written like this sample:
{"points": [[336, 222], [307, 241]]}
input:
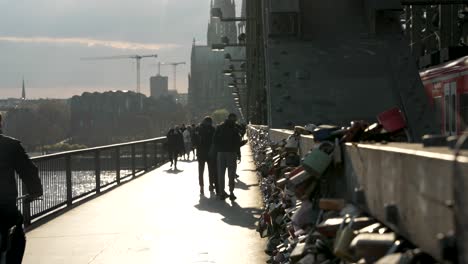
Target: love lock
{"points": [[344, 237], [372, 246], [316, 162]]}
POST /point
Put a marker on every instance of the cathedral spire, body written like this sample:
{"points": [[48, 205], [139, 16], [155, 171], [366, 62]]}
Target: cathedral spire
{"points": [[23, 92]]}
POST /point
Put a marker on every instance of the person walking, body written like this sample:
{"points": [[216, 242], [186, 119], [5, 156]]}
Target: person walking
{"points": [[194, 137], [187, 142], [180, 142], [13, 158], [205, 154], [173, 146], [227, 143]]}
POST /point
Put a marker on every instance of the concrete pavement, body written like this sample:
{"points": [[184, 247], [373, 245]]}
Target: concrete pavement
{"points": [[157, 218]]}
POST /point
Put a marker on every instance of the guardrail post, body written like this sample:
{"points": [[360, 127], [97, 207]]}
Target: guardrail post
{"points": [[133, 161], [117, 164], [156, 160], [97, 167], [145, 157], [26, 210], [68, 176]]}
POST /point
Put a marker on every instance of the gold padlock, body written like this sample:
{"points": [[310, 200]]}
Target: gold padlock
{"points": [[345, 235]]}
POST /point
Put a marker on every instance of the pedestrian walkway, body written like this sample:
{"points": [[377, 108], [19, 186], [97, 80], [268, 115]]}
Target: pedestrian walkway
{"points": [[157, 218]]}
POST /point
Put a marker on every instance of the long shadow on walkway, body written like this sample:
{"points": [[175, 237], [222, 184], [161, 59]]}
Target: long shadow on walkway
{"points": [[241, 185], [233, 213], [171, 171]]}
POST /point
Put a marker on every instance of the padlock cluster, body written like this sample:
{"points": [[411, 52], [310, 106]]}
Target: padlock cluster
{"points": [[303, 220]]}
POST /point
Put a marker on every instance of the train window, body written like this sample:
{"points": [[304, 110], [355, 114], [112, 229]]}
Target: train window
{"points": [[447, 113], [453, 111], [438, 111], [463, 111]]}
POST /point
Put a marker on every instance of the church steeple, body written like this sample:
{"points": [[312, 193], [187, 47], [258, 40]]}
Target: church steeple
{"points": [[23, 92], [216, 28]]}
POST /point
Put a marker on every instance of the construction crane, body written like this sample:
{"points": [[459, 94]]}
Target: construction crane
{"points": [[136, 57], [174, 64]]}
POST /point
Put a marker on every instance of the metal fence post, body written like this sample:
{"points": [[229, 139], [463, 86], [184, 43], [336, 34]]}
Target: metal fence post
{"points": [[145, 158], [133, 161], [97, 167], [156, 160], [117, 164], [26, 209], [68, 176]]}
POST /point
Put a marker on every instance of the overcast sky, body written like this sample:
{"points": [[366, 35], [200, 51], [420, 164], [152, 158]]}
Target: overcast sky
{"points": [[43, 40]]}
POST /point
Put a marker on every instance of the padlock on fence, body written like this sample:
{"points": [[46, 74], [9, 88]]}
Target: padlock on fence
{"points": [[329, 228], [303, 184], [372, 246], [292, 143], [316, 162], [331, 204], [345, 235]]}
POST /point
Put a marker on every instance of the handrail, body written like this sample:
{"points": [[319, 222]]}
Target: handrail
{"points": [[47, 156], [71, 176]]}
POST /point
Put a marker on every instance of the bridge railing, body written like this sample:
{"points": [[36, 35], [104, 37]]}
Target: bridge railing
{"points": [[70, 177]]}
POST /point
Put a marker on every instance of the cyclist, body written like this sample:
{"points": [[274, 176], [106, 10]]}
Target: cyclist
{"points": [[13, 158]]}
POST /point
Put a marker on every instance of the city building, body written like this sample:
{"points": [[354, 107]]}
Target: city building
{"points": [[158, 86], [208, 87], [182, 99], [218, 29]]}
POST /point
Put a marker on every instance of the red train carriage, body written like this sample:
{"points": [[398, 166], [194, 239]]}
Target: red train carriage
{"points": [[447, 88]]}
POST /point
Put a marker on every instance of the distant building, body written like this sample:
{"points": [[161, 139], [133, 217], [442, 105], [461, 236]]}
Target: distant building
{"points": [[208, 87], [158, 86], [182, 98], [217, 28], [173, 93]]}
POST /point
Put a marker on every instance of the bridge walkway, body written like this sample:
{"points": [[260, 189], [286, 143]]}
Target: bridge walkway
{"points": [[157, 218]]}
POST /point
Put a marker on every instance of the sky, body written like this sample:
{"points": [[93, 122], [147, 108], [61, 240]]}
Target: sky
{"points": [[44, 41]]}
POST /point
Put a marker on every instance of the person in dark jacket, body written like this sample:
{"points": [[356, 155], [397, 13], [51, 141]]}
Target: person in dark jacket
{"points": [[227, 142], [205, 134], [180, 140], [194, 137], [173, 146], [13, 158]]}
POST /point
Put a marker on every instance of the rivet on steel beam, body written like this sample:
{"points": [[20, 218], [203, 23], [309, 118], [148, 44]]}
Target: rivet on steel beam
{"points": [[448, 246], [359, 196], [391, 214]]}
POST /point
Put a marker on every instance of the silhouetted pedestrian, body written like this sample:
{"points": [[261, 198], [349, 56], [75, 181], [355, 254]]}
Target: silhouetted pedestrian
{"points": [[187, 142], [13, 158], [227, 142], [180, 141], [194, 137], [173, 146], [205, 154]]}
